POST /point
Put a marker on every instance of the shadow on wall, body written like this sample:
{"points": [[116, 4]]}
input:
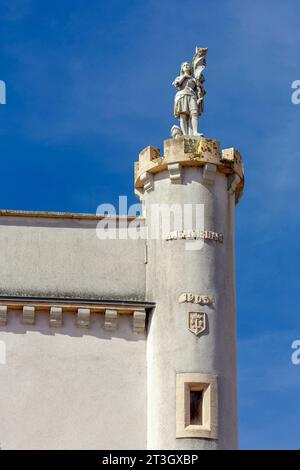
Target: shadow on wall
{"points": [[123, 331]]}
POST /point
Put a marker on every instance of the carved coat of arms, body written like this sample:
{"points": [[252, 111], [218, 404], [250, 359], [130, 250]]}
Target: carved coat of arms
{"points": [[196, 322]]}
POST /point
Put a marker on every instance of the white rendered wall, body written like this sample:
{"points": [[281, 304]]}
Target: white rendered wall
{"points": [[171, 347], [64, 258], [70, 388]]}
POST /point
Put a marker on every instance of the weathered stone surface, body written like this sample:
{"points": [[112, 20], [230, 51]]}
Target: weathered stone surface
{"points": [[3, 315], [175, 172], [139, 320], [209, 173], [185, 152], [28, 315], [83, 317], [56, 317], [149, 153], [233, 183], [110, 321], [147, 180]]}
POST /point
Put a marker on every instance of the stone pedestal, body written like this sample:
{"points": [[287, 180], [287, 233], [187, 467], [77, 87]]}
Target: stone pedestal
{"points": [[190, 274]]}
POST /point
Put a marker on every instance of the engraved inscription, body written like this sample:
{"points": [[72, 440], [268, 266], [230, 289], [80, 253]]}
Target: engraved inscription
{"points": [[194, 235], [195, 298]]}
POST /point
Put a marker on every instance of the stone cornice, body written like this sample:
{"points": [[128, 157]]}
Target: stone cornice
{"points": [[29, 308]]}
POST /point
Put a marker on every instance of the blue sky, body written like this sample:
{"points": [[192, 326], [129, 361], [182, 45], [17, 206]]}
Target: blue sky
{"points": [[89, 86]]}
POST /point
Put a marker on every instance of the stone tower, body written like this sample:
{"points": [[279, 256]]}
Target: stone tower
{"points": [[190, 275]]}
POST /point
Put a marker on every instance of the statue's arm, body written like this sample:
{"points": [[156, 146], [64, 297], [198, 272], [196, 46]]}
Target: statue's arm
{"points": [[178, 81]]}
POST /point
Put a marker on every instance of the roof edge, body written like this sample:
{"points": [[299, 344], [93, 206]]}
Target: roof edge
{"points": [[63, 215]]}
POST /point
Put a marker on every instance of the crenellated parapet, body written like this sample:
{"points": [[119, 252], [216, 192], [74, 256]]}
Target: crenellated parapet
{"points": [[184, 152]]}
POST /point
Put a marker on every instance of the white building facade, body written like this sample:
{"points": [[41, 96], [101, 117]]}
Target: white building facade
{"points": [[126, 343]]}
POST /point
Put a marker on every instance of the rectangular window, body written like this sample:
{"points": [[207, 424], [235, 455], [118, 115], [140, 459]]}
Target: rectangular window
{"points": [[196, 402], [196, 406]]}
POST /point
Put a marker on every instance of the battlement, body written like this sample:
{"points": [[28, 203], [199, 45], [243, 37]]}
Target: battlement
{"points": [[190, 152]]}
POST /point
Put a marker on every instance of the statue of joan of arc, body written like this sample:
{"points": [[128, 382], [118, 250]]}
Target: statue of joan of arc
{"points": [[189, 99]]}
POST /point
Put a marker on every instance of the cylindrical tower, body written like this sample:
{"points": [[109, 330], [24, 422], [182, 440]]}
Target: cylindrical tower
{"points": [[191, 348]]}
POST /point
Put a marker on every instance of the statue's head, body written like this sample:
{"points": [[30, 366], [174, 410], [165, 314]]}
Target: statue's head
{"points": [[186, 68]]}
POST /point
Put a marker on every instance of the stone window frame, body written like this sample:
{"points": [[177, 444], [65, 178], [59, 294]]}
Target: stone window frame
{"points": [[208, 384]]}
